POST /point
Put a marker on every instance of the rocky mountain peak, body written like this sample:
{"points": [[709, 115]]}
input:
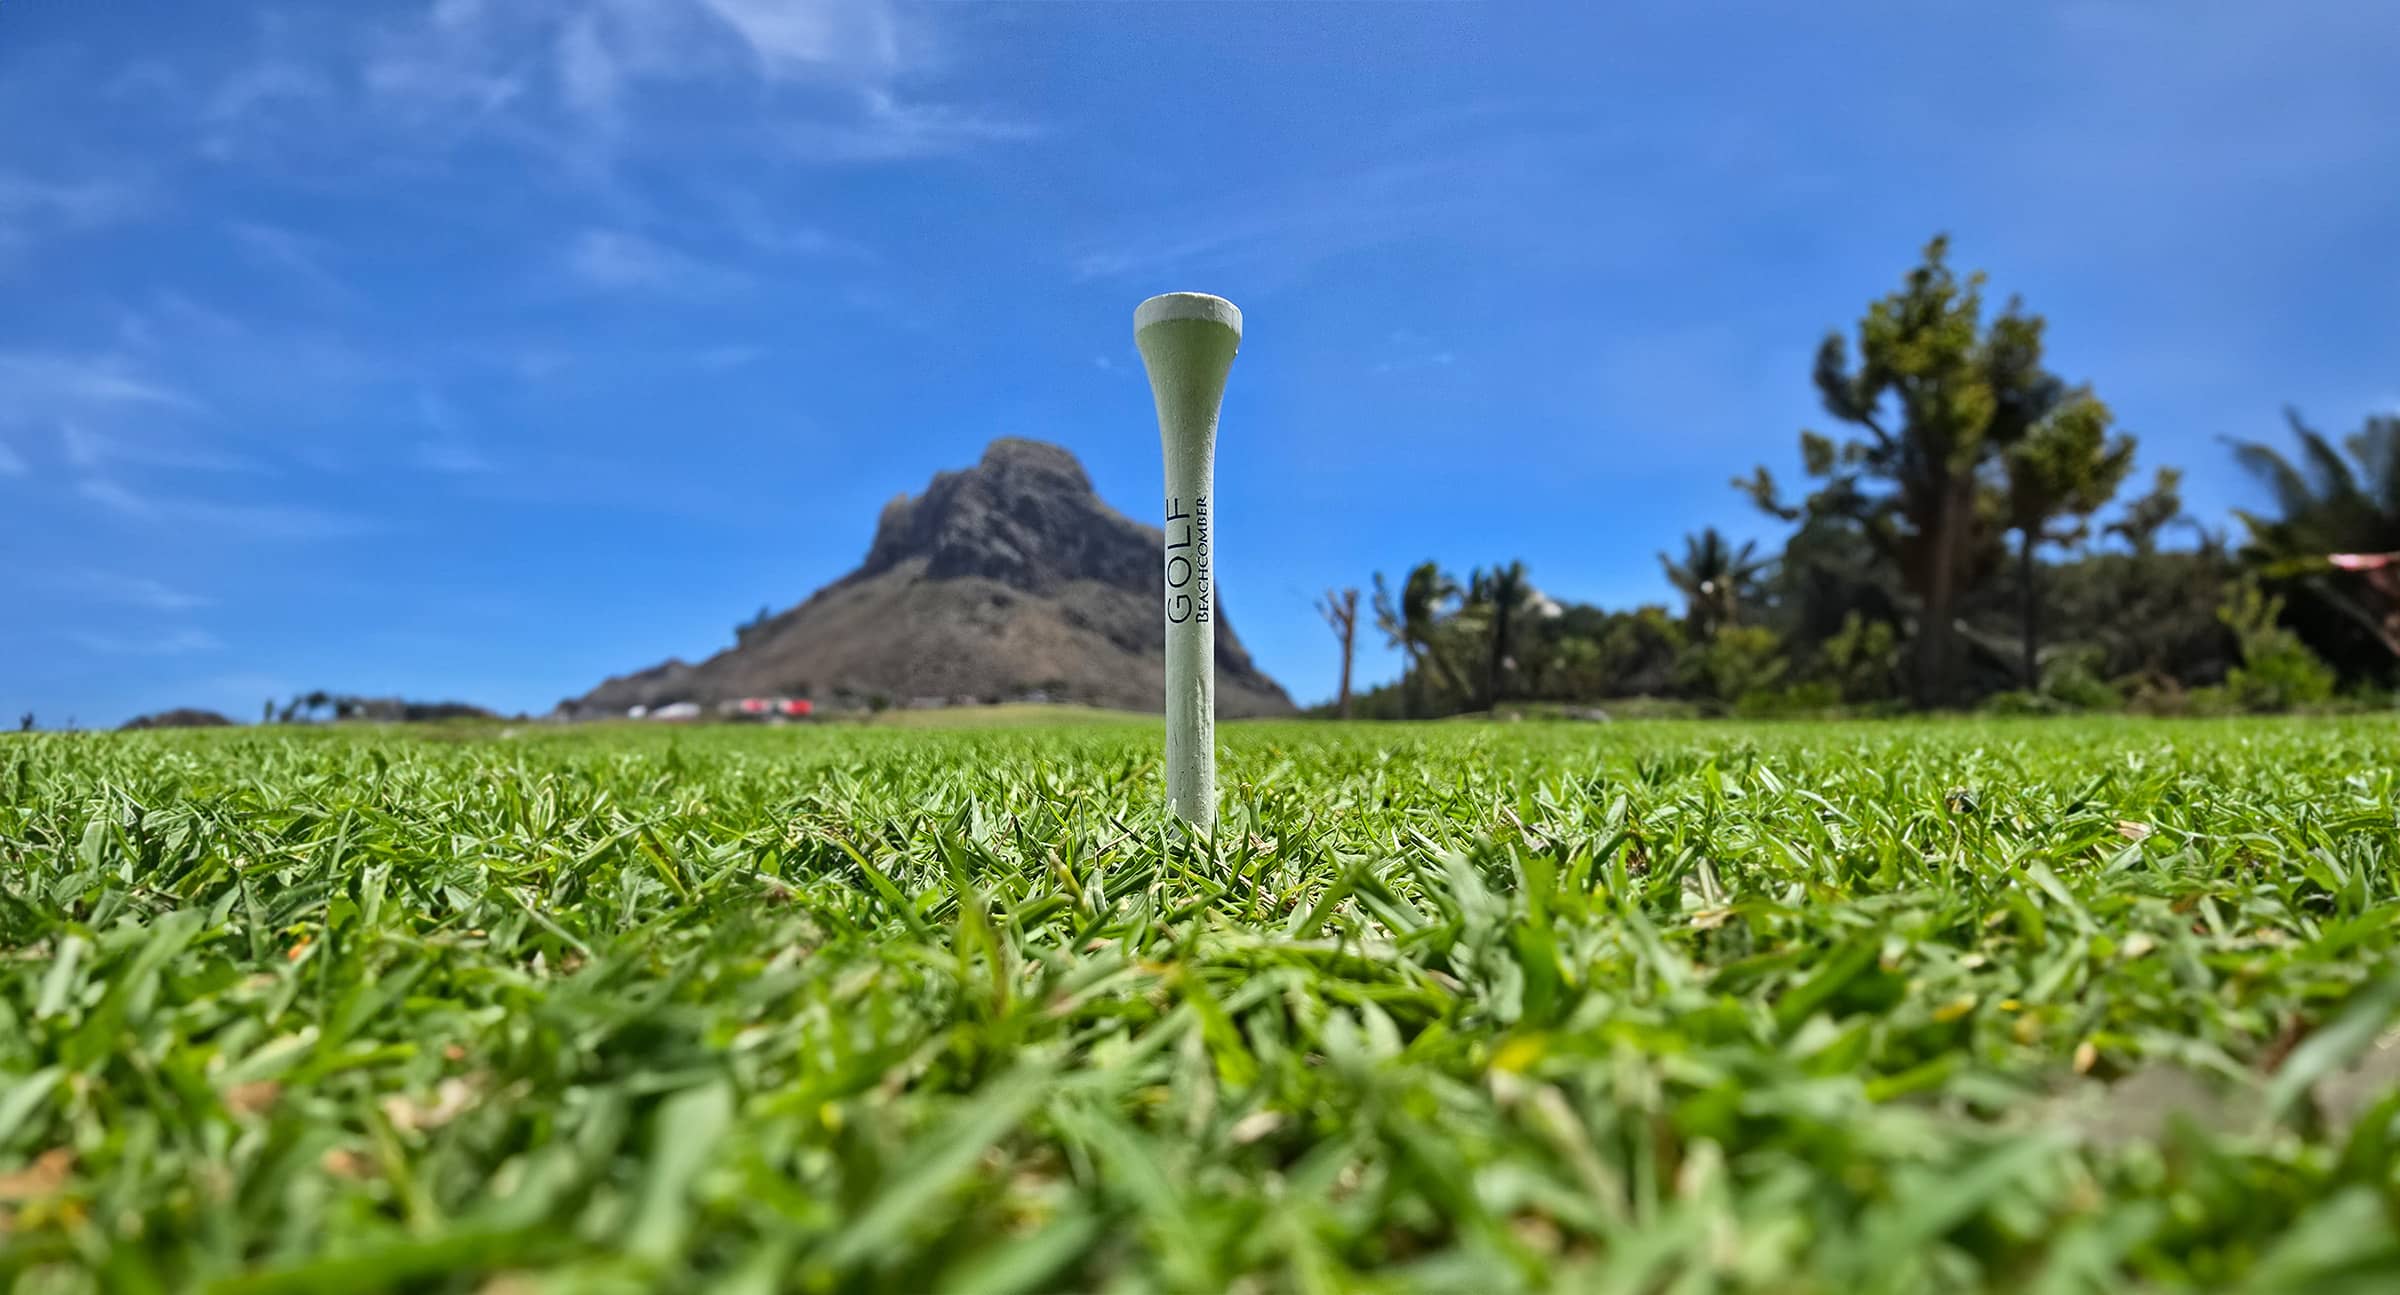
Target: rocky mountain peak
{"points": [[1010, 579], [1025, 516]]}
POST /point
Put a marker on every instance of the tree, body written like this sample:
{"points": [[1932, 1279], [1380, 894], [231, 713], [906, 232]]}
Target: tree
{"points": [[25, 722], [2332, 506], [2062, 470], [1409, 623], [2148, 517], [1938, 397], [1715, 579], [1499, 595], [1341, 612]]}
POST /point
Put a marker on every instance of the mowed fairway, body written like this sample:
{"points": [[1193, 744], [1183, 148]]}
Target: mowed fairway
{"points": [[1927, 1006]]}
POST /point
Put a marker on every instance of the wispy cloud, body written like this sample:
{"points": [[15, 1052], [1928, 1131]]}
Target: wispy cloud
{"points": [[259, 98], [750, 221], [254, 521], [449, 450], [613, 260], [51, 385], [10, 464], [588, 78], [75, 203], [815, 38], [829, 80], [1273, 236], [173, 643], [889, 129], [452, 458], [127, 591], [32, 210], [249, 366], [720, 359], [86, 449], [297, 255], [1414, 350]]}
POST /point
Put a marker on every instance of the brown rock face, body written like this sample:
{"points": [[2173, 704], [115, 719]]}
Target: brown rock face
{"points": [[1006, 580]]}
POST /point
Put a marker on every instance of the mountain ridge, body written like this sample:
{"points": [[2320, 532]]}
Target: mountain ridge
{"points": [[1007, 580]]}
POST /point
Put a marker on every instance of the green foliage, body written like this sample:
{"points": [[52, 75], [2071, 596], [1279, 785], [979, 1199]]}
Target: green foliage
{"points": [[2145, 519], [1738, 661], [1496, 601], [1798, 1008], [1412, 622], [2151, 616], [2074, 680], [2327, 504], [2277, 672], [1961, 434], [2062, 470], [1812, 697], [1862, 660], [1716, 579]]}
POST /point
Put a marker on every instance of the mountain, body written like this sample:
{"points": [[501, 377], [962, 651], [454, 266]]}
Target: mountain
{"points": [[1008, 580]]}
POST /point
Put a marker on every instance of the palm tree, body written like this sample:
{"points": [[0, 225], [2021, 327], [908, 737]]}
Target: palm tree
{"points": [[2332, 506], [1715, 579], [1500, 594], [2147, 518], [1408, 624]]}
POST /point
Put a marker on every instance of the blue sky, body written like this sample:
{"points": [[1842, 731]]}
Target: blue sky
{"points": [[482, 350]]}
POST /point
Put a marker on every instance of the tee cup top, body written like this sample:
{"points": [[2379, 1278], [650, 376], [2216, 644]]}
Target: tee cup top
{"points": [[1187, 305]]}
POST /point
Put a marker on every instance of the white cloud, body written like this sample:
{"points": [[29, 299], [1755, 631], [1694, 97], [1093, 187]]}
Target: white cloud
{"points": [[449, 450], [264, 84], [254, 521], [891, 130], [264, 103], [293, 253], [558, 81], [852, 38], [75, 204], [618, 261], [750, 220], [437, 413], [1275, 235], [1414, 350], [175, 643], [587, 72], [108, 494], [82, 448], [51, 385], [33, 210], [86, 449], [452, 458], [719, 359], [129, 591]]}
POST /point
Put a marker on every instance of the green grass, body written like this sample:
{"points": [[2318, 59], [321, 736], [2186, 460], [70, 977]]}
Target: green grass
{"points": [[1642, 1007]]}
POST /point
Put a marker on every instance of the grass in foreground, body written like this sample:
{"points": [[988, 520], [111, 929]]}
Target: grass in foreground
{"points": [[2049, 1006]]}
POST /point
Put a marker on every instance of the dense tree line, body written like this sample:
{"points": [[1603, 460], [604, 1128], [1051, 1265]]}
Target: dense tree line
{"points": [[1965, 539]]}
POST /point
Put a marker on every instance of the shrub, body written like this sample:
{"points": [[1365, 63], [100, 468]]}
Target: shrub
{"points": [[1862, 659], [1812, 697], [1738, 661], [2277, 672]]}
